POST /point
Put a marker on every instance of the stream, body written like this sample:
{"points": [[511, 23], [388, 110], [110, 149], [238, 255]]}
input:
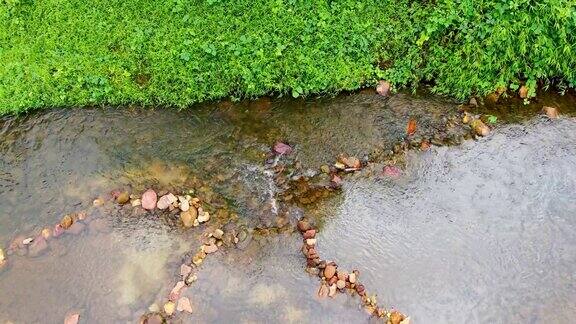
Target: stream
{"points": [[477, 231]]}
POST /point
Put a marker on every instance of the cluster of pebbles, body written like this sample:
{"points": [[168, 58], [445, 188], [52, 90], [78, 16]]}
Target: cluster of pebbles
{"points": [[335, 280]]}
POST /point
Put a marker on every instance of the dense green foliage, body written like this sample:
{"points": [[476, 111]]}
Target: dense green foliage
{"points": [[177, 52]]}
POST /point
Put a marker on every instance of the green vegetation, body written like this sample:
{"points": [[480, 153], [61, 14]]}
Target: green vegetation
{"points": [[177, 52]]}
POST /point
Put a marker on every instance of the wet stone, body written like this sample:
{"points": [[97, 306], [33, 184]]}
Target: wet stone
{"points": [[311, 233], [149, 199], [210, 248], [76, 228], [123, 198], [329, 271], [188, 217], [218, 234], [38, 247], [66, 221], [184, 305], [169, 308], [340, 284], [185, 270]]}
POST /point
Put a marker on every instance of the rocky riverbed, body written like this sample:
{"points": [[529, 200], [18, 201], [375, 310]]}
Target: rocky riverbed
{"points": [[142, 215]]}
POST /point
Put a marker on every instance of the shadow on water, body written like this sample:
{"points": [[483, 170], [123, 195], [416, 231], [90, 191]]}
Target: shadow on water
{"points": [[477, 232]]}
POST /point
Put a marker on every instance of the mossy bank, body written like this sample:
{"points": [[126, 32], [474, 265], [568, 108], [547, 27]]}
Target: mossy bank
{"points": [[178, 52]]}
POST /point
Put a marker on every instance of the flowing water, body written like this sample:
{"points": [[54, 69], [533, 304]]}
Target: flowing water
{"points": [[478, 232]]}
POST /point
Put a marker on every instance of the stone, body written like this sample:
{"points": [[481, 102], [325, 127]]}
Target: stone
{"points": [[154, 308], [153, 319], [311, 242], [303, 225], [551, 112], [310, 234], [72, 318], [185, 270], [191, 279], [184, 205], [46, 233], [329, 271], [203, 217], [66, 221], [340, 284], [176, 291], [28, 241], [405, 321], [136, 202], [188, 217], [480, 128], [169, 308], [184, 305], [340, 166], [218, 234], [198, 258], [98, 202], [38, 247], [523, 92], [351, 162], [352, 278], [325, 169], [58, 231], [332, 290], [323, 290], [164, 202], [360, 290], [396, 317], [210, 248], [391, 171], [76, 228], [149, 199], [2, 255], [282, 148], [473, 102], [342, 275], [123, 198], [383, 88]]}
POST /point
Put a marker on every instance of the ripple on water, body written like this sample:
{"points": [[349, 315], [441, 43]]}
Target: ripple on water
{"points": [[476, 233]]}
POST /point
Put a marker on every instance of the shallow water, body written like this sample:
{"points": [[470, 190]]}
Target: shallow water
{"points": [[489, 218]]}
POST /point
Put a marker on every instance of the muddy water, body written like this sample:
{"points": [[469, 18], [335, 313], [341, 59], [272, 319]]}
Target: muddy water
{"points": [[475, 233]]}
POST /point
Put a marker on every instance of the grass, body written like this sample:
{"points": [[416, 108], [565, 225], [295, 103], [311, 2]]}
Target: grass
{"points": [[178, 52]]}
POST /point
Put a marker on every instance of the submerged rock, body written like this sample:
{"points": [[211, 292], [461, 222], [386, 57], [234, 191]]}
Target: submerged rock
{"points": [[282, 148], [58, 230], [169, 308], [218, 234], [66, 222], [72, 318], [332, 290], [303, 225], [188, 217], [480, 128], [329, 271], [38, 247], [340, 284], [149, 199], [76, 228], [184, 305], [211, 248], [123, 198], [185, 270], [551, 112], [352, 277]]}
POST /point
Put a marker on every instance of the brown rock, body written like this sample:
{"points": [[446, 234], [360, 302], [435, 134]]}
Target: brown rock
{"points": [[352, 277], [383, 88], [188, 217], [360, 290], [210, 248], [342, 275], [332, 290], [523, 92], [551, 112], [123, 198], [341, 284], [333, 280], [329, 271], [396, 317], [149, 199], [185, 270], [303, 225], [66, 222], [310, 234], [72, 318], [480, 128]]}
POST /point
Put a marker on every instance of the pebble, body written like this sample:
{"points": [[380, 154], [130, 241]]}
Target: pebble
{"points": [[282, 148], [98, 202], [176, 290], [352, 278], [551, 112], [72, 318], [191, 279], [311, 242], [340, 284], [523, 92], [169, 308], [332, 290], [185, 270], [329, 271], [480, 128], [58, 230], [325, 169], [303, 225], [342, 275], [310, 234], [66, 222], [27, 241], [204, 217], [189, 217], [2, 255], [149, 199], [46, 233], [383, 88], [164, 202], [323, 290], [136, 202], [210, 248], [123, 198], [396, 317], [154, 308], [184, 305], [184, 205], [218, 234]]}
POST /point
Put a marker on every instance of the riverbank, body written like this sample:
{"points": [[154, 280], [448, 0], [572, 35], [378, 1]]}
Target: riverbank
{"points": [[77, 53]]}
